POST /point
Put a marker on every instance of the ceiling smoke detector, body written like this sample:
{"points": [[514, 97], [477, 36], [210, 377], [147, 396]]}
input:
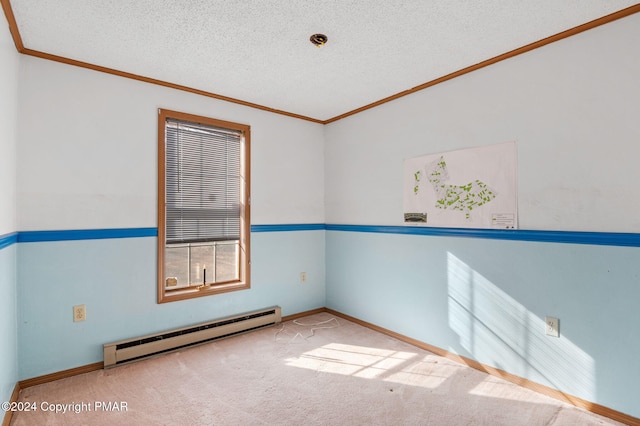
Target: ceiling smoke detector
{"points": [[318, 40]]}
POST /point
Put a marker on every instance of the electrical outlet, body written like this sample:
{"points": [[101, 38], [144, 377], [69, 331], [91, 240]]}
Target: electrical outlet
{"points": [[552, 326], [303, 277], [79, 313]]}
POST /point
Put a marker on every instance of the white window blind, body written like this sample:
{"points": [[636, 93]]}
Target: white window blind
{"points": [[202, 183]]}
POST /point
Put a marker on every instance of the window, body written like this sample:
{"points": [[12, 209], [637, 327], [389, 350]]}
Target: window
{"points": [[203, 206]]}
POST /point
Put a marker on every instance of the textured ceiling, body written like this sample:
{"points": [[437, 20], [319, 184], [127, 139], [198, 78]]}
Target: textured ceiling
{"points": [[259, 51]]}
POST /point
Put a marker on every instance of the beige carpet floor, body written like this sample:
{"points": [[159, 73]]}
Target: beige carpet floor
{"points": [[332, 373]]}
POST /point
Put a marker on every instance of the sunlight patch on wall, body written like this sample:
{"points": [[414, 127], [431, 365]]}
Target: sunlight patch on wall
{"points": [[369, 363], [497, 330]]}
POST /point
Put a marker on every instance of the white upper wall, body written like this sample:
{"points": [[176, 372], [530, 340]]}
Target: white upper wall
{"points": [[88, 157], [87, 152], [9, 62], [572, 107]]}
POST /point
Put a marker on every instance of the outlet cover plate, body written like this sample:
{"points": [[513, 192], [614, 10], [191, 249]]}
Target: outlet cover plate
{"points": [[552, 326], [79, 313]]}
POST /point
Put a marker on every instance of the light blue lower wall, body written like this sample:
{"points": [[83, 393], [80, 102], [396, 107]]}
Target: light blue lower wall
{"points": [[8, 322], [116, 280], [484, 299], [487, 299]]}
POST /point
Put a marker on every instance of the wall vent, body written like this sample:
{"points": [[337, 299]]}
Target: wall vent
{"points": [[138, 348]]}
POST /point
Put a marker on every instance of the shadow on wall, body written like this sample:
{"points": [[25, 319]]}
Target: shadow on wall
{"points": [[497, 330]]}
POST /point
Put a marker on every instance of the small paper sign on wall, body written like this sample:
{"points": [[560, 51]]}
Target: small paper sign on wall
{"points": [[469, 188]]}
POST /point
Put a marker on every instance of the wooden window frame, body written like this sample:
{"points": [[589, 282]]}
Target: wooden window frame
{"points": [[244, 281]]}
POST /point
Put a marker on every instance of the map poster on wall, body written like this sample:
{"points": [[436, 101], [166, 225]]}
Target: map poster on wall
{"points": [[469, 188]]}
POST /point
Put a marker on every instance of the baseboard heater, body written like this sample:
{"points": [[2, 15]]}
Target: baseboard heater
{"points": [[130, 350]]}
